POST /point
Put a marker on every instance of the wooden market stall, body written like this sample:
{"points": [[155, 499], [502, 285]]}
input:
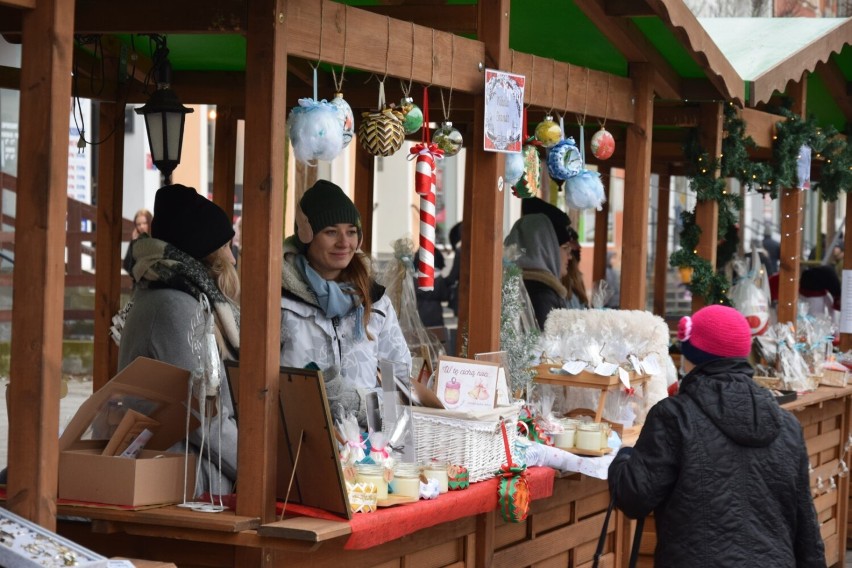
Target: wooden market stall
{"points": [[630, 86]]}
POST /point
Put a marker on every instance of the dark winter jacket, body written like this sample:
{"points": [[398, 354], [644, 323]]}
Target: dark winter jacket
{"points": [[725, 471]]}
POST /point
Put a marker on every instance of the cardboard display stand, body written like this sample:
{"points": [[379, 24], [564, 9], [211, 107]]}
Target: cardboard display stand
{"points": [[158, 391], [305, 428]]}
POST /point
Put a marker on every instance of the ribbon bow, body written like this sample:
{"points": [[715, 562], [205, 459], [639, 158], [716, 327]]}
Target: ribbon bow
{"points": [[359, 444], [426, 148]]}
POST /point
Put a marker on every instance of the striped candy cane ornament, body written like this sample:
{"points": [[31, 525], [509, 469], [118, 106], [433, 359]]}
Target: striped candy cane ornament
{"points": [[424, 185]]}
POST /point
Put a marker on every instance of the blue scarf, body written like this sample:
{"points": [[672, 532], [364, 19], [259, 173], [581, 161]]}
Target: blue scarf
{"points": [[334, 299]]}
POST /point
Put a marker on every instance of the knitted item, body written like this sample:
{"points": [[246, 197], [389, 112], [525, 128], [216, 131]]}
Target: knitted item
{"points": [[190, 221], [714, 332], [324, 205]]}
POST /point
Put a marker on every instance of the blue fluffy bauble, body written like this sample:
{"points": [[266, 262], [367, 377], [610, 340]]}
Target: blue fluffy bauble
{"points": [[514, 167], [315, 130]]}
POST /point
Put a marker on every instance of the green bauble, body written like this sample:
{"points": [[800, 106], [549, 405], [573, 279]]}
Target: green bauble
{"points": [[412, 115]]}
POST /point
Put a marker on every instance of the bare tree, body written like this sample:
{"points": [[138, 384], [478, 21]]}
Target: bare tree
{"points": [[730, 8]]}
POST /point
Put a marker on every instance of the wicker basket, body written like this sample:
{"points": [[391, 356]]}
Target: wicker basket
{"points": [[474, 444]]}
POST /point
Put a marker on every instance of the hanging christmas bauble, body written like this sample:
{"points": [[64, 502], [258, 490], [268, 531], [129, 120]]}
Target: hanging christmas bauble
{"points": [[548, 132], [602, 144], [448, 139], [347, 118], [315, 130], [412, 116], [527, 186], [514, 167], [381, 132], [564, 160]]}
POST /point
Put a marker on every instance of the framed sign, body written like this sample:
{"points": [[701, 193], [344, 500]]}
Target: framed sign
{"points": [[504, 111], [464, 384], [305, 421]]}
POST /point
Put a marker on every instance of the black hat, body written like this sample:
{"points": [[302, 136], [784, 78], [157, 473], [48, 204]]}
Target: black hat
{"points": [[325, 204], [190, 221], [558, 218]]}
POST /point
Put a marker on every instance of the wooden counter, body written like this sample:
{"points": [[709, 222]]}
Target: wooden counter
{"points": [[825, 418], [560, 530]]}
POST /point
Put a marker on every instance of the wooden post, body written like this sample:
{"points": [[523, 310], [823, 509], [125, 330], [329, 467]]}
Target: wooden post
{"points": [[637, 179], [263, 203], [661, 255], [846, 338], [225, 159], [710, 123], [36, 363], [484, 200], [601, 229], [792, 200], [363, 198], [108, 240], [464, 272]]}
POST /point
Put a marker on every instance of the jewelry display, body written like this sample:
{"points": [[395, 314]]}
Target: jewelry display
{"points": [[26, 545]]}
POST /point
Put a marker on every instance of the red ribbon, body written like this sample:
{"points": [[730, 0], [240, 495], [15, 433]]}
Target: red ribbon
{"points": [[425, 136]]}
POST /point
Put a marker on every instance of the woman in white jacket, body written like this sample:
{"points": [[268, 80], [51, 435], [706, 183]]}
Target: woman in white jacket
{"points": [[333, 314]]}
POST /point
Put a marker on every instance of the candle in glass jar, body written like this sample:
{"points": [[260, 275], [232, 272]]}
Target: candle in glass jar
{"points": [[406, 480], [565, 438], [438, 471], [589, 437], [375, 474]]}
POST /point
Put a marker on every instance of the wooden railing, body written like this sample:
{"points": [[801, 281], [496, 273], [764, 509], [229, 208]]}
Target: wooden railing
{"points": [[79, 244]]}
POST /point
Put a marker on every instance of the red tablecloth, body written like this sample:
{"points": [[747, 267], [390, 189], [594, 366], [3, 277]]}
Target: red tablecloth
{"points": [[387, 524]]}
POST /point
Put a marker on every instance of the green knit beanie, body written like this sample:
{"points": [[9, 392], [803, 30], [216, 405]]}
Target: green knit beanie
{"points": [[325, 204]]}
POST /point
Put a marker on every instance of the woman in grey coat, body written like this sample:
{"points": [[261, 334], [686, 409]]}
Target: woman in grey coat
{"points": [[333, 313], [186, 265]]}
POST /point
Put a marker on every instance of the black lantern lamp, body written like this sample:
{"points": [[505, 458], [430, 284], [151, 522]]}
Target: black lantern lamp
{"points": [[164, 115]]}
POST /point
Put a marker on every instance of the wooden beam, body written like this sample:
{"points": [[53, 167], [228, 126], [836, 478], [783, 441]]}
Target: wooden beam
{"points": [[707, 212], [760, 126], [36, 363], [364, 194], [635, 47], [569, 88], [108, 235], [637, 180], [661, 254], [601, 230], [26, 4], [225, 159], [455, 19], [627, 8], [792, 212], [161, 17], [680, 115], [483, 212], [263, 206]]}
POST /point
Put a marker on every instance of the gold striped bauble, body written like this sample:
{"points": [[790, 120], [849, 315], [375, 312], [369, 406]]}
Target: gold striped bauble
{"points": [[381, 133]]}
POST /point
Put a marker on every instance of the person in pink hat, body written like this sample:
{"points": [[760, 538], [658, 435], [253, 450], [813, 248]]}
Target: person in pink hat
{"points": [[723, 468]]}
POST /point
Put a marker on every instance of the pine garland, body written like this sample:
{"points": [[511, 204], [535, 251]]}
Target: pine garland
{"points": [[790, 135], [518, 343]]}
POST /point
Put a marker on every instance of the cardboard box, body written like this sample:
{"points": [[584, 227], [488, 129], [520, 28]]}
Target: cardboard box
{"points": [[155, 477]]}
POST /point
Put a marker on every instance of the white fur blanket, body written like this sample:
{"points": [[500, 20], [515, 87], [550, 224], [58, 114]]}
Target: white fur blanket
{"points": [[616, 333]]}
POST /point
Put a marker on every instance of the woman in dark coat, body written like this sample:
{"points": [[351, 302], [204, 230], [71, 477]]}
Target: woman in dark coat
{"points": [[723, 468], [543, 262]]}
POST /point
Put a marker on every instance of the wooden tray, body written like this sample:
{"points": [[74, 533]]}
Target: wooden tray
{"points": [[547, 373], [394, 500], [588, 453]]}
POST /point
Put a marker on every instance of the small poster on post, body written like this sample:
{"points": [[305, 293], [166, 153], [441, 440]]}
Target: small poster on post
{"points": [[464, 384], [504, 111]]}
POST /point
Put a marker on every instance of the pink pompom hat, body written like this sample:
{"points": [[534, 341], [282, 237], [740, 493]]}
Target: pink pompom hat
{"points": [[714, 332]]}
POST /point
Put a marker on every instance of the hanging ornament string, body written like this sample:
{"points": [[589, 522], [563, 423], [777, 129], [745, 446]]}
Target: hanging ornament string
{"points": [[412, 116], [406, 89], [338, 85], [319, 55], [446, 107], [382, 82], [602, 143], [552, 87], [532, 76], [582, 122]]}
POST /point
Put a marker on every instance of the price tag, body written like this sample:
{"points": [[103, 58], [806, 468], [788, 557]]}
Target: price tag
{"points": [[637, 366], [574, 367], [625, 377], [651, 365], [606, 369]]}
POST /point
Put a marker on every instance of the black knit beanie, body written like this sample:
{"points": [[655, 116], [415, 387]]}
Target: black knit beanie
{"points": [[558, 218], [190, 221], [325, 204]]}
